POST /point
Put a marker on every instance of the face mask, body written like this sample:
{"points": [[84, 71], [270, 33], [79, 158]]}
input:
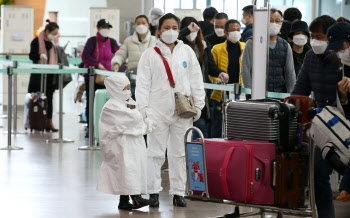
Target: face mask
{"points": [[344, 56], [234, 36], [318, 46], [52, 37], [192, 36], [219, 32], [141, 29], [126, 95], [155, 22], [104, 32], [244, 21], [170, 36], [300, 39], [275, 29]]}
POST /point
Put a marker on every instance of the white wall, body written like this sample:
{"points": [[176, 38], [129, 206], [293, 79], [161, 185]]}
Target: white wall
{"points": [[73, 19]]}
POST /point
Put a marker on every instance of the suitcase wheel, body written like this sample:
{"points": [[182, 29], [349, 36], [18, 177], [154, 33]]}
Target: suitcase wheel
{"points": [[279, 215]]}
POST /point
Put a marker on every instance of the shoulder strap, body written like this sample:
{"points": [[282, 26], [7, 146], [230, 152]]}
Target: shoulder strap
{"points": [[94, 42], [167, 68]]}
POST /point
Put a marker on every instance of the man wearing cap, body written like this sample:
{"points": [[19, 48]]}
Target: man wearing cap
{"points": [[338, 36], [299, 33], [321, 74], [97, 53]]}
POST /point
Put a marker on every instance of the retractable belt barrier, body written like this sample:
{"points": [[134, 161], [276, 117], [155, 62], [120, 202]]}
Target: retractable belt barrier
{"points": [[60, 70]]}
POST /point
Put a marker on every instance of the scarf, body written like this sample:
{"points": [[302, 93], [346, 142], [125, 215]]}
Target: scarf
{"points": [[53, 57]]}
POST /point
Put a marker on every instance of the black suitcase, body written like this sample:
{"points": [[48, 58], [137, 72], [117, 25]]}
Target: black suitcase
{"points": [[37, 112], [265, 120]]}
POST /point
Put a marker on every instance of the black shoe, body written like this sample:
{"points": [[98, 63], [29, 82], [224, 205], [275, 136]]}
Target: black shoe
{"points": [[139, 202], [155, 199], [179, 201], [124, 203]]}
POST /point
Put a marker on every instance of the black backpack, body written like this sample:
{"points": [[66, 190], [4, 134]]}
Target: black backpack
{"points": [[113, 42]]}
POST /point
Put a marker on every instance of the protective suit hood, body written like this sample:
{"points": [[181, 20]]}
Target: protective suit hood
{"points": [[115, 85]]}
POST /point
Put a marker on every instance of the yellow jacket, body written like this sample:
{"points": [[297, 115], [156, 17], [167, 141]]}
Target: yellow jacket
{"points": [[220, 55]]}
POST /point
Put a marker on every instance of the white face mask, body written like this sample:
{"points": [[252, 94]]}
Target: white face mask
{"points": [[141, 29], [170, 36], [192, 36], [126, 95], [344, 56], [219, 32], [244, 21], [52, 37], [234, 36], [275, 29], [318, 46], [155, 22], [300, 39], [104, 32]]}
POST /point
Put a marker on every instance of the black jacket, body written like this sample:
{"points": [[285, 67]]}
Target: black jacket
{"points": [[208, 67], [213, 40], [206, 27], [35, 79], [299, 58]]}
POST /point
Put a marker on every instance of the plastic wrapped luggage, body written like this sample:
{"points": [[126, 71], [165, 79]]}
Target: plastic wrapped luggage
{"points": [[264, 120], [240, 170], [331, 132], [291, 174], [36, 107], [101, 98]]}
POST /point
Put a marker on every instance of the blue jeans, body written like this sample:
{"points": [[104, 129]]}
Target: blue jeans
{"points": [[202, 125], [216, 121], [323, 190]]}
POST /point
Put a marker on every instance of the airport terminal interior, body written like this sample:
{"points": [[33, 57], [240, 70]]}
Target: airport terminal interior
{"points": [[50, 166]]}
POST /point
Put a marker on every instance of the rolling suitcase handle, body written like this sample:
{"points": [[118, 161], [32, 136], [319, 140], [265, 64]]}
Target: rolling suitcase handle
{"points": [[201, 161], [273, 174]]}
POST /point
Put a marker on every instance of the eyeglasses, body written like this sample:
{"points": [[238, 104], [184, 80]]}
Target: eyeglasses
{"points": [[276, 21]]}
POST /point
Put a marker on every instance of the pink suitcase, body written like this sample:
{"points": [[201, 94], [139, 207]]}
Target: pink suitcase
{"points": [[240, 170]]}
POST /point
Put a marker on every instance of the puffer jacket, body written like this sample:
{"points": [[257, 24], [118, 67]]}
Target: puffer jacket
{"points": [[133, 49]]}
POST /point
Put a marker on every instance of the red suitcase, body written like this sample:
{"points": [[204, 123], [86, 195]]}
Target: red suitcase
{"points": [[240, 170]]}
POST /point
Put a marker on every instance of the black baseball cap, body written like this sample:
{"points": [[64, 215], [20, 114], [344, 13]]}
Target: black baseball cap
{"points": [[336, 35], [104, 23]]}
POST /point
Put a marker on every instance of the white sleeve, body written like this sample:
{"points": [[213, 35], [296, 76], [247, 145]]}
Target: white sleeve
{"points": [[143, 80], [289, 70], [121, 54], [196, 80]]}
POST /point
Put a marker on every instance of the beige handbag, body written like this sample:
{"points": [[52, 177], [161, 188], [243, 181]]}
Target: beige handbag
{"points": [[184, 104]]}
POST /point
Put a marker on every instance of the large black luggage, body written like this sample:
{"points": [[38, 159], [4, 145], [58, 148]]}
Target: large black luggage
{"points": [[265, 120]]}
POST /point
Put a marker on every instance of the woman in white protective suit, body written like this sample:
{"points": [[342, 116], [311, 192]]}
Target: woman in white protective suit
{"points": [[155, 97], [124, 168]]}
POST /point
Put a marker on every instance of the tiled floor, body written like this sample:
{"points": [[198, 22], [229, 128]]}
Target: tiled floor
{"points": [[57, 180]]}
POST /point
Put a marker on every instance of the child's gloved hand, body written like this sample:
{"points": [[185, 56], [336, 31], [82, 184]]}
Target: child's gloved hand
{"points": [[151, 125]]}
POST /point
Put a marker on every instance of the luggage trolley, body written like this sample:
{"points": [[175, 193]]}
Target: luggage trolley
{"points": [[197, 183]]}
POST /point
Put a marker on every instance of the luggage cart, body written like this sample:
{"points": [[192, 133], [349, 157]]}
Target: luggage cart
{"points": [[197, 183]]}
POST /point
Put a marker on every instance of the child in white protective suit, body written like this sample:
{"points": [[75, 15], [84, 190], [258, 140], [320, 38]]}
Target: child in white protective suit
{"points": [[121, 126]]}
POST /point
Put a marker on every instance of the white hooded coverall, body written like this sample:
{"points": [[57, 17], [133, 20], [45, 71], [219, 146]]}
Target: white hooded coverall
{"points": [[154, 92], [123, 148]]}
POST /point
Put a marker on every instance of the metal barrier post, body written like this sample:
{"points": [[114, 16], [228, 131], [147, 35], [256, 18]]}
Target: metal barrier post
{"points": [[60, 129], [91, 146], [15, 64], [8, 57], [312, 177], [9, 111]]}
